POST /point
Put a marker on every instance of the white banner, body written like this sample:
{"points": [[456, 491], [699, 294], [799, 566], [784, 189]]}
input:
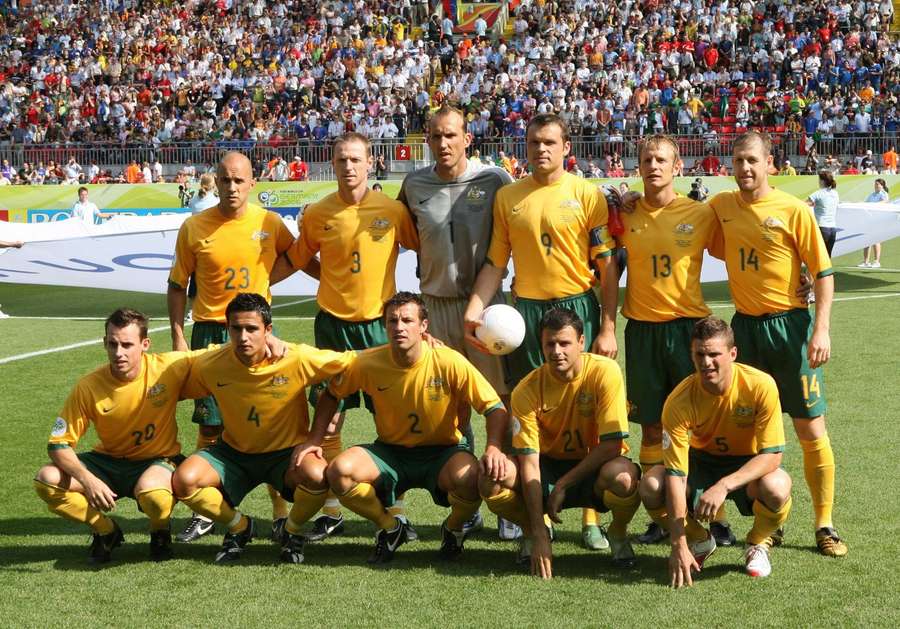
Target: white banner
{"points": [[135, 252]]}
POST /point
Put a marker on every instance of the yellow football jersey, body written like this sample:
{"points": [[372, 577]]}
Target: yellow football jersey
{"points": [[134, 420], [565, 420], [417, 405], [358, 251], [264, 407], [766, 242], [744, 421], [228, 256], [665, 254], [554, 233]]}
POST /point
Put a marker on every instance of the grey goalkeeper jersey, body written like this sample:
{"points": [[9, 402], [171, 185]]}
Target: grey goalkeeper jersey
{"points": [[454, 219]]}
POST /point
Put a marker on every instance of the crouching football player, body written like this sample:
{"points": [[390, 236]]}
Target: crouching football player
{"points": [[131, 403], [568, 430], [264, 412], [722, 438], [416, 391]]}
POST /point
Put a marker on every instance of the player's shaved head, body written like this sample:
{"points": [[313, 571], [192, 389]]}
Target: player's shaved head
{"points": [[713, 327], [750, 139], [448, 111], [234, 159]]}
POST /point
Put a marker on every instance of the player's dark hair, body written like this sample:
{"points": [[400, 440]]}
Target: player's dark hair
{"points": [[557, 318], [543, 120], [749, 137], [82, 188], [401, 299], [250, 302], [827, 178], [882, 182], [123, 317], [710, 328]]}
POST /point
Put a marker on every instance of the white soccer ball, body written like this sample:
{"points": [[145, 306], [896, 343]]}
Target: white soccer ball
{"points": [[502, 329]]}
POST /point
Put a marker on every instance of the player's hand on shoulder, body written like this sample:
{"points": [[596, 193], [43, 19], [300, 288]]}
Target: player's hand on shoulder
{"points": [[542, 557], [681, 565], [276, 349], [494, 463], [606, 345], [302, 450], [818, 352], [98, 494], [433, 341], [630, 200]]}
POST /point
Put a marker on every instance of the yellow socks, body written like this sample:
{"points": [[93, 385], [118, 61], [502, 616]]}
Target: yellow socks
{"points": [[660, 516], [720, 514], [650, 455], [363, 500], [622, 509], [589, 517], [210, 502], [279, 504], [818, 468], [73, 506], [767, 521], [460, 510], [331, 447], [693, 530], [306, 504], [157, 504], [510, 506]]}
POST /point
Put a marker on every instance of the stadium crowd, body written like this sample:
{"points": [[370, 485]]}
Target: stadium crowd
{"points": [[290, 72]]}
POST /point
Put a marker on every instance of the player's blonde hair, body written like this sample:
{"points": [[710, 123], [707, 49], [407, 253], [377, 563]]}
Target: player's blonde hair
{"points": [[207, 184], [447, 110], [657, 140], [353, 136]]}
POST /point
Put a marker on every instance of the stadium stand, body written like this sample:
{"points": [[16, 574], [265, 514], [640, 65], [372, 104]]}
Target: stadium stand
{"points": [[120, 80]]}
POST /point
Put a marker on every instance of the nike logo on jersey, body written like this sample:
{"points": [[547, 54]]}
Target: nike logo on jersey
{"points": [[222, 384], [384, 388], [328, 227], [108, 410], [208, 241], [424, 201], [727, 220]]}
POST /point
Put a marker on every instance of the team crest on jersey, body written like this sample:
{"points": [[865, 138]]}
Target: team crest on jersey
{"points": [[683, 233], [743, 416], [154, 394], [771, 227], [379, 228], [59, 427], [435, 387], [259, 235], [278, 381], [476, 194], [585, 403], [570, 204]]}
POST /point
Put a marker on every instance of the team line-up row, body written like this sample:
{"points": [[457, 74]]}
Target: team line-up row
{"points": [[466, 222]]}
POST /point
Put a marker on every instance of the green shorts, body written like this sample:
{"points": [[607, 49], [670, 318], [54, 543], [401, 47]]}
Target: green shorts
{"points": [[241, 472], [657, 359], [204, 333], [403, 468], [581, 494], [340, 336], [529, 355], [705, 470], [121, 475], [776, 344]]}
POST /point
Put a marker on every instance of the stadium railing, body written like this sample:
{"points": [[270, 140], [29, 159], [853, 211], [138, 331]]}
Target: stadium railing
{"points": [[399, 151]]}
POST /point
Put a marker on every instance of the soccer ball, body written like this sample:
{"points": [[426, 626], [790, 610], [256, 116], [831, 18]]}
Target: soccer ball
{"points": [[502, 329]]}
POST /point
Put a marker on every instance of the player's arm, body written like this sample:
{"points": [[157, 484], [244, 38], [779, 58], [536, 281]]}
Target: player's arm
{"points": [[681, 560], [14, 244], [713, 498], [541, 551], [588, 466], [493, 461], [608, 269], [818, 351], [487, 283], [326, 407], [98, 493], [176, 300], [283, 269]]}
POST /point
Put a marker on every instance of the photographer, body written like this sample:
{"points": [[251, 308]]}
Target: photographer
{"points": [[698, 192]]}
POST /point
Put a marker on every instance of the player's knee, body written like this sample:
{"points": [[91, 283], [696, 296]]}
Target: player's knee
{"points": [[619, 476], [809, 429], [651, 486], [487, 487], [775, 489], [311, 476], [185, 481], [339, 474], [49, 475], [651, 434]]}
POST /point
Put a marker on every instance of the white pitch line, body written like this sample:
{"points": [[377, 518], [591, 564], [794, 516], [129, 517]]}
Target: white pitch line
{"points": [[63, 348], [866, 269], [722, 304]]}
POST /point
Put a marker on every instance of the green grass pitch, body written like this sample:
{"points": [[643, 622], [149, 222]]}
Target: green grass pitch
{"points": [[44, 577]]}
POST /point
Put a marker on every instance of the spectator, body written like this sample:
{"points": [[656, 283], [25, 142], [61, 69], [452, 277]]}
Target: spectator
{"points": [[72, 172], [85, 210], [788, 170], [298, 170]]}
